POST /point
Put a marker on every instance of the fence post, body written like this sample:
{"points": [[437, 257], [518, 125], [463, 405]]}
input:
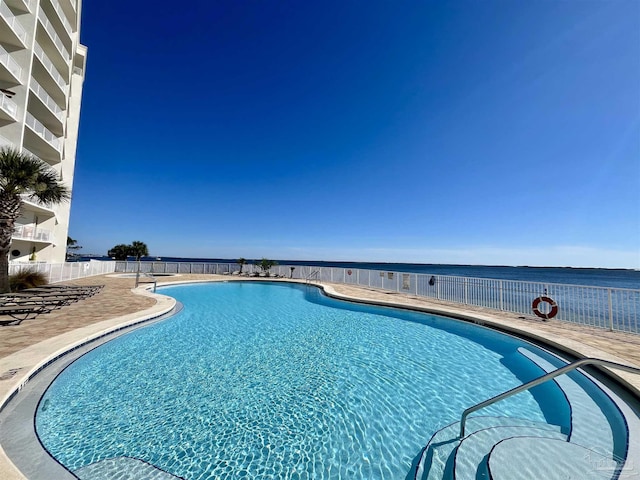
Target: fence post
{"points": [[466, 291], [501, 296], [610, 309]]}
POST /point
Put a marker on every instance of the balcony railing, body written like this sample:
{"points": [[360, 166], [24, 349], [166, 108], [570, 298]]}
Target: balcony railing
{"points": [[32, 232], [22, 5], [43, 132], [62, 16], [9, 106], [48, 26], [47, 100], [10, 64], [13, 22], [72, 3], [32, 204], [48, 65]]}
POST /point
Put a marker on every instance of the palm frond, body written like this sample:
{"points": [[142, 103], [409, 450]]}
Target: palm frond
{"points": [[47, 189], [23, 173]]}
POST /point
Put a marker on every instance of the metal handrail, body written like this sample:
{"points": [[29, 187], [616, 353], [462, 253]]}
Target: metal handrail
{"points": [[153, 280], [312, 274], [542, 379]]}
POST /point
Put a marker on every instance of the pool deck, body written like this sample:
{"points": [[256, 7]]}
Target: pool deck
{"points": [[27, 346]]}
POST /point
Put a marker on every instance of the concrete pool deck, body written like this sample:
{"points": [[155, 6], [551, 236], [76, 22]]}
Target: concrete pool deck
{"points": [[26, 347]]}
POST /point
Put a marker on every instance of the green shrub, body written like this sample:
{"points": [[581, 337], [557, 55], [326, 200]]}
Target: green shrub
{"points": [[26, 279]]}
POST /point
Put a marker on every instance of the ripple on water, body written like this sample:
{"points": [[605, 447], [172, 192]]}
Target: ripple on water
{"points": [[255, 380]]}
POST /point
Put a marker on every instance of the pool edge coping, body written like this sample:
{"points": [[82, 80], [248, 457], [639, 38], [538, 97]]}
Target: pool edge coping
{"points": [[36, 357], [526, 332], [53, 348]]}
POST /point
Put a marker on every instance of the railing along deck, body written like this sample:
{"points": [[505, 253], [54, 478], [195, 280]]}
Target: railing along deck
{"points": [[601, 307]]}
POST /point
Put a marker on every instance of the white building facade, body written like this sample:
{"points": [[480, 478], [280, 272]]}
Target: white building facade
{"points": [[42, 66]]}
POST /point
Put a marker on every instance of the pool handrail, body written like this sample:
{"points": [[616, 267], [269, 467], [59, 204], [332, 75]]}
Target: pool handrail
{"points": [[153, 279], [542, 379], [312, 274]]}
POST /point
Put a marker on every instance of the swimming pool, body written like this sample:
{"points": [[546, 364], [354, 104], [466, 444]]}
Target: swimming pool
{"points": [[261, 380]]}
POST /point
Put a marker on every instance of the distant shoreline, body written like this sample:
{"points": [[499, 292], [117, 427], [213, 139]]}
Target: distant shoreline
{"points": [[343, 263]]}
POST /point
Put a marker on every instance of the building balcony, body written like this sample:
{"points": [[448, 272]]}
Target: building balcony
{"points": [[8, 109], [25, 6], [13, 33], [41, 141], [69, 5], [33, 206], [32, 233], [59, 14], [30, 204], [48, 111], [48, 75], [58, 50], [10, 70]]}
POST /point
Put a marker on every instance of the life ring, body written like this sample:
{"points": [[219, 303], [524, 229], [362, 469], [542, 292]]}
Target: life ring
{"points": [[550, 301]]}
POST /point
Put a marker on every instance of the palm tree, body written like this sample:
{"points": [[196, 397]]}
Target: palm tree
{"points": [[22, 174], [266, 264], [72, 245], [242, 262], [119, 252], [138, 249]]}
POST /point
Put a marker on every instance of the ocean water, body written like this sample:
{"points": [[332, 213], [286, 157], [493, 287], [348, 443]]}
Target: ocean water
{"points": [[599, 277]]}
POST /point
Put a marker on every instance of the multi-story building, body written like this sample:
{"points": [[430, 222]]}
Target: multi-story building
{"points": [[42, 65]]}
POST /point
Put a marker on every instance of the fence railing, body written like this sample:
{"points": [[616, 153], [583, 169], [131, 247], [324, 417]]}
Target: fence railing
{"points": [[61, 272], [601, 307]]}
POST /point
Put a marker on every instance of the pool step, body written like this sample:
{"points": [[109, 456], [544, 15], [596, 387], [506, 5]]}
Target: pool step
{"points": [[437, 458], [122, 468], [590, 427], [470, 457], [525, 458], [508, 448]]}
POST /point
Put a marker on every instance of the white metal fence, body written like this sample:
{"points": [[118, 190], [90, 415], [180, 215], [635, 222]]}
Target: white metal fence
{"points": [[602, 307], [61, 272]]}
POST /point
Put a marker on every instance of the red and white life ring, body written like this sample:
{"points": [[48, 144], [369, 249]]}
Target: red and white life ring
{"points": [[554, 307]]}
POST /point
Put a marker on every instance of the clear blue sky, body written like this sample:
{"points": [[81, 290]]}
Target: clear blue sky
{"points": [[474, 132]]}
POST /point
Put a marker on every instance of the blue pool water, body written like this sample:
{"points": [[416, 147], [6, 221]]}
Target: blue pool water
{"points": [[259, 380]]}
